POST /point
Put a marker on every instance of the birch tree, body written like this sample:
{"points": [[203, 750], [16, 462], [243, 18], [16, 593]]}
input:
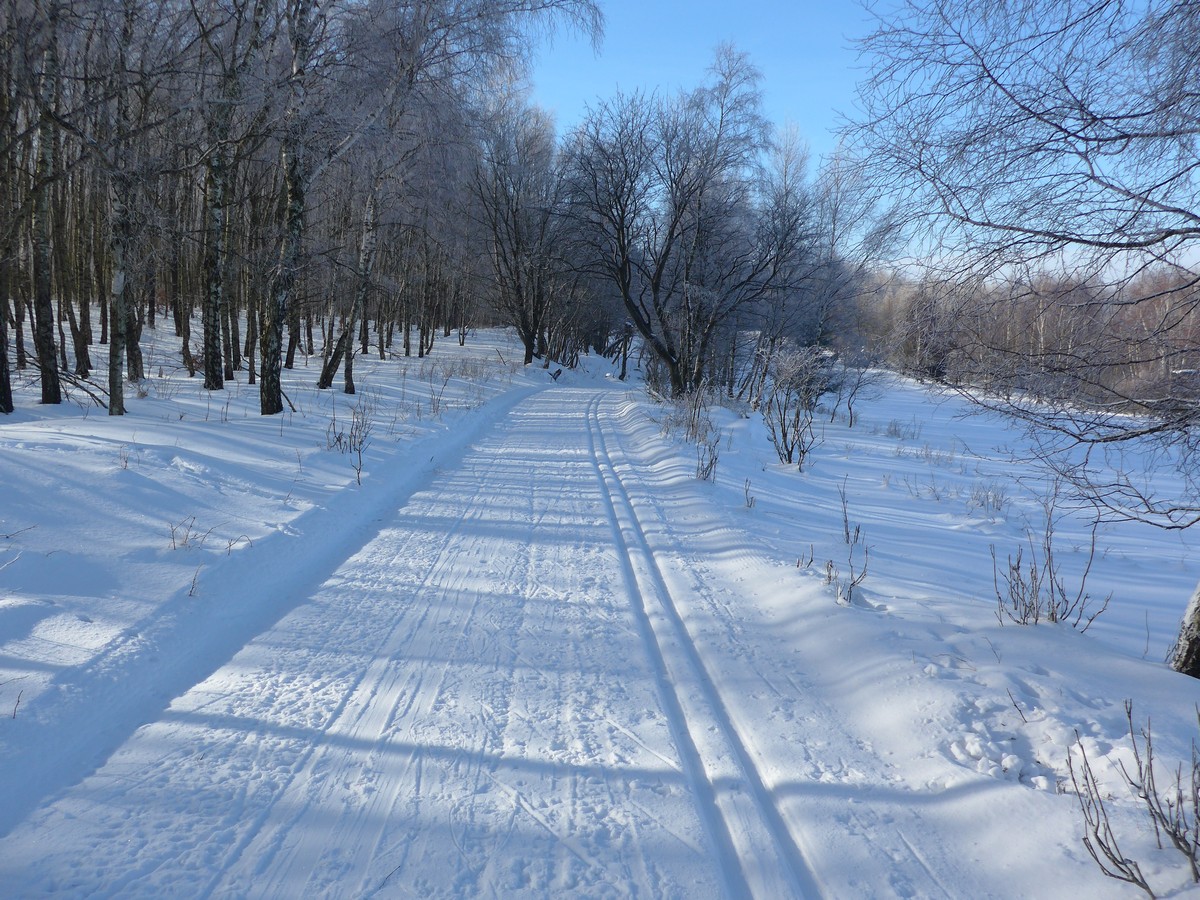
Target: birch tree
{"points": [[430, 46], [44, 173], [343, 351], [1035, 138], [10, 24], [140, 46], [233, 36]]}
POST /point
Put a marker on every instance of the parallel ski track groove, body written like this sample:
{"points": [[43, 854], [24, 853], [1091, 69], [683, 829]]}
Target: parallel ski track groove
{"points": [[802, 877], [710, 813]]}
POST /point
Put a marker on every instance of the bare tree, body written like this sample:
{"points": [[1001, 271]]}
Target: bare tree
{"points": [[799, 378], [343, 350], [44, 173], [104, 205], [1035, 137], [10, 26], [848, 233], [520, 193], [140, 48], [232, 36], [428, 46], [679, 217]]}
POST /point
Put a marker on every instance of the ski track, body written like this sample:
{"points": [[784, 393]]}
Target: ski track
{"points": [[744, 825], [518, 684], [465, 676], [176, 646]]}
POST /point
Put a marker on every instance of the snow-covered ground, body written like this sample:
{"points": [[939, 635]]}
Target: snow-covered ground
{"points": [[532, 655]]}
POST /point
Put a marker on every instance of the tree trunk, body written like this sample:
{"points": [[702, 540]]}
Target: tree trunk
{"points": [[383, 328], [174, 295], [6, 397], [229, 338], [63, 362], [135, 369], [83, 341], [216, 189], [103, 281], [334, 360], [43, 310], [283, 281], [295, 175], [182, 313], [117, 315], [366, 264], [83, 361], [295, 333], [1185, 657], [7, 184], [19, 332]]}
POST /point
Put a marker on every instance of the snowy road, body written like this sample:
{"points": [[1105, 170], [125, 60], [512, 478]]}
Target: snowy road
{"points": [[536, 677]]}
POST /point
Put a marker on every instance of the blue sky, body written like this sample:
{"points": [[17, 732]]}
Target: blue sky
{"points": [[802, 48]]}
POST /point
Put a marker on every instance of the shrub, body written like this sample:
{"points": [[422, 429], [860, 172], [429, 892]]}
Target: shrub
{"points": [[799, 378]]}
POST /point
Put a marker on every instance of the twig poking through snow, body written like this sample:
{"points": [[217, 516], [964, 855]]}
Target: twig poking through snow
{"points": [[1017, 708]]}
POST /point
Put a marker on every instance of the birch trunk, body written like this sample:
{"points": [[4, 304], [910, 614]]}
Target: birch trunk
{"points": [[6, 245], [295, 173], [117, 303], [216, 191], [6, 398], [366, 263], [43, 308], [282, 282], [1185, 657]]}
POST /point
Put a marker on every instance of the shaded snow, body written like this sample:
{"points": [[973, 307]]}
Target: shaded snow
{"points": [[531, 655]]}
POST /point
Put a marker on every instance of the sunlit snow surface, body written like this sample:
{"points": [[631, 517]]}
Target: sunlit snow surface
{"points": [[532, 655]]}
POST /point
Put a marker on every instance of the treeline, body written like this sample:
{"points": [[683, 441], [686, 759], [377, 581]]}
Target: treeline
{"points": [[1127, 346], [684, 222], [282, 176], [274, 177], [274, 166]]}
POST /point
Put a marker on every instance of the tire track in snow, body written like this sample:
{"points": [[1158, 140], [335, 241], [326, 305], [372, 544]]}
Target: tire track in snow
{"points": [[759, 857]]}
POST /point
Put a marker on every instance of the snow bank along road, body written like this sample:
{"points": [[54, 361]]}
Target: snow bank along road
{"points": [[542, 674]]}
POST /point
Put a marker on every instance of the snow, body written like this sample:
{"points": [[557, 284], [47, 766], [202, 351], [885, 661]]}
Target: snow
{"points": [[532, 655]]}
